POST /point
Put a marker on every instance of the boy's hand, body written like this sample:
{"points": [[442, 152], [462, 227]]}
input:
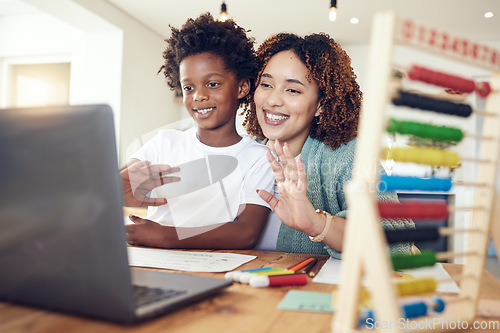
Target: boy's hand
{"points": [[144, 232], [140, 177]]}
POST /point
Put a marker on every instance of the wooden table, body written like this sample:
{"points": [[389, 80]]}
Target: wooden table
{"points": [[238, 309]]}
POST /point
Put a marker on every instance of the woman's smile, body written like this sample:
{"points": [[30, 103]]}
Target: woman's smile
{"points": [[275, 118]]}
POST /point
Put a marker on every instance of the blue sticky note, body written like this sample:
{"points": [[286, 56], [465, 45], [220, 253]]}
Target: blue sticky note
{"points": [[299, 300]]}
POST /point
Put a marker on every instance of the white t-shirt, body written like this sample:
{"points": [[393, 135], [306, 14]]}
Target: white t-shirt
{"points": [[216, 182], [269, 236]]}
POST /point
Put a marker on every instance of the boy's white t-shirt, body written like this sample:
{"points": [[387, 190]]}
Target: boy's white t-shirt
{"points": [[216, 182], [269, 236]]}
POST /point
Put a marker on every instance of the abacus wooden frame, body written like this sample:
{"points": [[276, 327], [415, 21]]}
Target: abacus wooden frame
{"points": [[364, 229]]}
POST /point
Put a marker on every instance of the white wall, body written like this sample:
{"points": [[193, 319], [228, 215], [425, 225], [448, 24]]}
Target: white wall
{"points": [[33, 38], [114, 60], [39, 37], [146, 101]]}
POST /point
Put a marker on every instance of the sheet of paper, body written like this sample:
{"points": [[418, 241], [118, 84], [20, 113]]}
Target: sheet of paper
{"points": [[299, 300], [330, 274], [186, 260]]}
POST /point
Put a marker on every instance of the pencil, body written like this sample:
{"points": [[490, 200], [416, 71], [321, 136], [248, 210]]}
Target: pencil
{"points": [[300, 264], [309, 266], [315, 269]]}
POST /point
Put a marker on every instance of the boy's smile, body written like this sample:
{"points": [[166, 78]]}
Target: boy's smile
{"points": [[204, 111], [211, 95]]}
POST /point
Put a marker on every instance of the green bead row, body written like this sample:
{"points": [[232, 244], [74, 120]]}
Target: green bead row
{"points": [[425, 131], [423, 259]]}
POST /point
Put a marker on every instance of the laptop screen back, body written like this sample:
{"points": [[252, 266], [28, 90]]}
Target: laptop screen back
{"points": [[62, 238]]}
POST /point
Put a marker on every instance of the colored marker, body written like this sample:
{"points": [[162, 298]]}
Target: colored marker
{"points": [[234, 274], [300, 264], [245, 277], [314, 271], [309, 266], [260, 281]]}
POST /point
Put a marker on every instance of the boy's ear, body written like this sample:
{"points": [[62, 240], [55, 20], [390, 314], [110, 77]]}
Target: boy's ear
{"points": [[243, 88]]}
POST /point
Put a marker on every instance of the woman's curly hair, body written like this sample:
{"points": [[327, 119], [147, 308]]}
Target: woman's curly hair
{"points": [[224, 39], [330, 67]]}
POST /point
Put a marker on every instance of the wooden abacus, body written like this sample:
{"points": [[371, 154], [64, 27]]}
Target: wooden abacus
{"points": [[365, 251]]}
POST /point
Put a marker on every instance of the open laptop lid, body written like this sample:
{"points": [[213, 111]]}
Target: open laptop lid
{"points": [[62, 247]]}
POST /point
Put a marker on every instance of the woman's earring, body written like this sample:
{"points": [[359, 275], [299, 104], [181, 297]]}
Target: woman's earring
{"points": [[318, 114], [318, 119]]}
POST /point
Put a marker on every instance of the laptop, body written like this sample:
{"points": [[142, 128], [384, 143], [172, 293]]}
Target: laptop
{"points": [[62, 237]]}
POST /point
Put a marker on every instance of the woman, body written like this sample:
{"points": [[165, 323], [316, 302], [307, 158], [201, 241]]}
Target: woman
{"points": [[307, 98]]}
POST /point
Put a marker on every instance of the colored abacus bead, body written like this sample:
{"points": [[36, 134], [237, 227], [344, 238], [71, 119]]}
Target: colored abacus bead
{"points": [[414, 310], [440, 79], [425, 131], [423, 259], [421, 234], [394, 183], [483, 89], [428, 156], [425, 103], [416, 286], [438, 304], [415, 209]]}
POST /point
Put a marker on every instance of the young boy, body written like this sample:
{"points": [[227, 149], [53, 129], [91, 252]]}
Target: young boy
{"points": [[217, 171]]}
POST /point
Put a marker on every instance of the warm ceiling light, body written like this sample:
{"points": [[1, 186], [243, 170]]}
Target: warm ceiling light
{"points": [[333, 10], [223, 12], [488, 14], [354, 20]]}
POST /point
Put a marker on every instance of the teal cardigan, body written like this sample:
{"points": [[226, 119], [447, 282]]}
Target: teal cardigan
{"points": [[327, 172]]}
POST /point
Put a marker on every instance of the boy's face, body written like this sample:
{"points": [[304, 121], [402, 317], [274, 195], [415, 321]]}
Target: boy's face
{"points": [[210, 91]]}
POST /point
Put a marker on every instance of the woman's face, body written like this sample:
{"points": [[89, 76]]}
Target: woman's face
{"points": [[286, 101]]}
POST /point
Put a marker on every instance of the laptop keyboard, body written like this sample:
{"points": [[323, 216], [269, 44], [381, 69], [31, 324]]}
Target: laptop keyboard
{"points": [[146, 295]]}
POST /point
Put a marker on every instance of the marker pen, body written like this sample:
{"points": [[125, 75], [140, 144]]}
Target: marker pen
{"points": [[300, 264], [260, 281], [245, 277], [235, 274]]}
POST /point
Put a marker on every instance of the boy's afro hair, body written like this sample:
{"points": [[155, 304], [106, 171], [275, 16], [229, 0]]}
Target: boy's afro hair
{"points": [[205, 34]]}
